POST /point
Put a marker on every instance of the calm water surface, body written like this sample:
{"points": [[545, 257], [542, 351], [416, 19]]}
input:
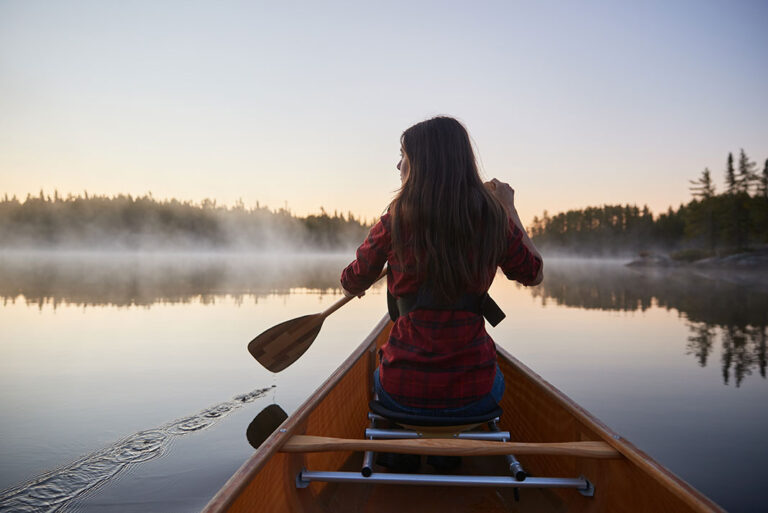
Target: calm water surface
{"points": [[125, 384]]}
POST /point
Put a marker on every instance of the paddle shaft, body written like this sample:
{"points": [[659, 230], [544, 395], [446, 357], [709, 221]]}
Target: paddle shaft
{"points": [[346, 299], [317, 319], [450, 447]]}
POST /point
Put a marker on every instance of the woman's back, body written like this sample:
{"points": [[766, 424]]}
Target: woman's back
{"points": [[444, 236], [438, 355]]}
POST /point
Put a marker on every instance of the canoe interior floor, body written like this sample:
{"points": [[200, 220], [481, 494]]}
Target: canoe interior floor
{"points": [[363, 498]]}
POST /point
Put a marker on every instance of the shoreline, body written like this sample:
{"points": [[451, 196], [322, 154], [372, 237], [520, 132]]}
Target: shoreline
{"points": [[748, 260]]}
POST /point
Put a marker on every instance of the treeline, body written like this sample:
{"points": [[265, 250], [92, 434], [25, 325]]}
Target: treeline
{"points": [[127, 222], [710, 224]]}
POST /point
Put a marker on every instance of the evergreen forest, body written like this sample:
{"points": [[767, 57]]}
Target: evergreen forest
{"points": [[712, 223], [144, 223]]}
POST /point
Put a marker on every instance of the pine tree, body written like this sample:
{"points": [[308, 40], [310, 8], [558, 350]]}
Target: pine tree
{"points": [[701, 217], [730, 176], [747, 175], [703, 188], [759, 206], [736, 214]]}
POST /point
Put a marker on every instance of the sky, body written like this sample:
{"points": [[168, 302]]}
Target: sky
{"points": [[301, 104]]}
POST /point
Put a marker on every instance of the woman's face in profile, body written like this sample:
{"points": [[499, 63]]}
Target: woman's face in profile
{"points": [[403, 166]]}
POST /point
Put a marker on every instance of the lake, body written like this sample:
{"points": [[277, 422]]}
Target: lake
{"points": [[125, 384]]}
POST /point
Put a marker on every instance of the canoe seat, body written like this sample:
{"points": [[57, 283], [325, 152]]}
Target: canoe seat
{"points": [[429, 420], [429, 425]]}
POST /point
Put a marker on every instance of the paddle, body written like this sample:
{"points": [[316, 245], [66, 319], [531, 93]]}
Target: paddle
{"points": [[281, 345], [264, 424]]}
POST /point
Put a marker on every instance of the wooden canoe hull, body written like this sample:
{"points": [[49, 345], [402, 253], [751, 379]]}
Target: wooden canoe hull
{"points": [[534, 411]]}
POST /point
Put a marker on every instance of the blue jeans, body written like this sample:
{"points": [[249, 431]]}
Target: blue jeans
{"points": [[483, 405]]}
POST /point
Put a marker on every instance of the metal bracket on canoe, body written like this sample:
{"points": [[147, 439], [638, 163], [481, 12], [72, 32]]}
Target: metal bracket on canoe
{"points": [[300, 481], [589, 491]]}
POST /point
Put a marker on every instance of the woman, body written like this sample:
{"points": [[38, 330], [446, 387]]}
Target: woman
{"points": [[444, 235]]}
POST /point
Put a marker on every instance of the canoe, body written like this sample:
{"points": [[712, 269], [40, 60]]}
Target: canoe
{"points": [[535, 412]]}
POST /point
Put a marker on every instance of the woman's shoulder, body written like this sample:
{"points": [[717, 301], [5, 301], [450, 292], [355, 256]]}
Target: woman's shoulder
{"points": [[386, 220], [382, 228]]}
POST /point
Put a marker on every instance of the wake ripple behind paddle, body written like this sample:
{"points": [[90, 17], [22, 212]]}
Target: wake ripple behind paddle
{"points": [[54, 489]]}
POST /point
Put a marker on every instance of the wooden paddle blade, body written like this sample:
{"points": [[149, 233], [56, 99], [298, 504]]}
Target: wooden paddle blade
{"points": [[264, 424], [281, 345]]}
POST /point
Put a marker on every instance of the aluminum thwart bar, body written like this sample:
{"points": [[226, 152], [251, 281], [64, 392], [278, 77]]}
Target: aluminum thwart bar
{"points": [[308, 476], [398, 434]]}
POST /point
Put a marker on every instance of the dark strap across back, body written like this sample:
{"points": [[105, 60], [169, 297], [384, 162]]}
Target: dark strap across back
{"points": [[429, 420], [483, 305]]}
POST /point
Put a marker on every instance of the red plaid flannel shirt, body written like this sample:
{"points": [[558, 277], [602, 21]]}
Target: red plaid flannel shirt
{"points": [[434, 358]]}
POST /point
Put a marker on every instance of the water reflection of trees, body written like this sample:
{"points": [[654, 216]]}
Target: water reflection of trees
{"points": [[120, 280], [700, 341], [731, 308], [743, 349]]}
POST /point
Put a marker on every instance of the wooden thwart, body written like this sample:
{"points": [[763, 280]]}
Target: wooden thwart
{"points": [[450, 447]]}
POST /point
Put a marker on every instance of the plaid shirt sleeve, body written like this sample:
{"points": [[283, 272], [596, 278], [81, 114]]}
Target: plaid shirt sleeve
{"points": [[369, 259], [518, 263]]}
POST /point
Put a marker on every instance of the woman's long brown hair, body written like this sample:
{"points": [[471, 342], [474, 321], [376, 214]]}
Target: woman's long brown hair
{"points": [[454, 227]]}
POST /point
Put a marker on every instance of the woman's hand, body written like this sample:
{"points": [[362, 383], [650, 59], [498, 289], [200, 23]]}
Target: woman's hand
{"points": [[503, 192], [506, 195]]}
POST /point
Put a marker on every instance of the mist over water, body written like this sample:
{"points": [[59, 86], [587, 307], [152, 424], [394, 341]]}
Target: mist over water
{"points": [[133, 279], [126, 223]]}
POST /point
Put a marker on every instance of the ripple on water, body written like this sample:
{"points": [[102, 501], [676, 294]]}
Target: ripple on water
{"points": [[218, 410], [51, 491], [142, 446], [189, 424]]}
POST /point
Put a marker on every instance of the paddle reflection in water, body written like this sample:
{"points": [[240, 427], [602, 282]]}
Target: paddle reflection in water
{"points": [[264, 424], [725, 306]]}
